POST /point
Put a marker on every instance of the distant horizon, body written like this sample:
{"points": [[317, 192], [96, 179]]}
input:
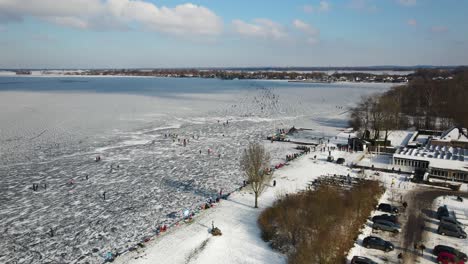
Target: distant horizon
{"points": [[368, 68]]}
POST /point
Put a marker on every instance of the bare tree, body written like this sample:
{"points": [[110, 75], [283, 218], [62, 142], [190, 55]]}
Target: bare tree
{"points": [[255, 164]]}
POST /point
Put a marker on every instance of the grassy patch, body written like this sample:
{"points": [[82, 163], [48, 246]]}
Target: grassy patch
{"points": [[321, 225]]}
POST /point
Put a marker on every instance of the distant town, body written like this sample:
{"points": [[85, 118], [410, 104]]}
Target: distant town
{"points": [[317, 75]]}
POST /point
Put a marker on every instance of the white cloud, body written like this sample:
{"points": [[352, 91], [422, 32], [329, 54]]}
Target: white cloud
{"points": [[323, 6], [407, 2], [73, 22], [311, 32], [263, 28], [97, 14], [412, 22], [306, 28], [439, 29]]}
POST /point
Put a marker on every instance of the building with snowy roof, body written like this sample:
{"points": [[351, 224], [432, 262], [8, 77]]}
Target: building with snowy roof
{"points": [[444, 157], [454, 137]]}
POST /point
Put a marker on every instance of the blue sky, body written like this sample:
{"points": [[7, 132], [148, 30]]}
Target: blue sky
{"points": [[217, 33]]}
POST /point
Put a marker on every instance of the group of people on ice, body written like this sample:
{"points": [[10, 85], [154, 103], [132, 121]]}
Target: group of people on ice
{"points": [[305, 149]]}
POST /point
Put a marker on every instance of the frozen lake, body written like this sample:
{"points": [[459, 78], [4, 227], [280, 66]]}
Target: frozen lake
{"points": [[51, 129]]}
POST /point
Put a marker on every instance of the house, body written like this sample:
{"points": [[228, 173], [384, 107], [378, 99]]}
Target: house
{"points": [[454, 137], [440, 157], [358, 144]]}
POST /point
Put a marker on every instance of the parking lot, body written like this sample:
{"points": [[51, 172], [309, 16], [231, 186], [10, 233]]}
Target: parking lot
{"points": [[418, 222]]}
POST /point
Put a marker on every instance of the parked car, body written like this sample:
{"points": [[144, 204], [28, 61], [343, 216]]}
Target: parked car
{"points": [[447, 258], [442, 248], [377, 243], [442, 211], [385, 207], [340, 161], [451, 230], [362, 260], [450, 220], [386, 226], [386, 217], [330, 158]]}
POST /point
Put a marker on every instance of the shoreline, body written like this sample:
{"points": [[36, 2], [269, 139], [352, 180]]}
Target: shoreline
{"points": [[237, 220], [171, 77]]}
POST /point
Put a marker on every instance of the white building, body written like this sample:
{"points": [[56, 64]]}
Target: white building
{"points": [[443, 162]]}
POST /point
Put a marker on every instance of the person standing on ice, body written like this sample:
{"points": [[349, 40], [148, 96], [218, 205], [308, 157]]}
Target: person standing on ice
{"points": [[104, 195]]}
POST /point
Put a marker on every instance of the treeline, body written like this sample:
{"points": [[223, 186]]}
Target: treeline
{"points": [[433, 99], [319, 226]]}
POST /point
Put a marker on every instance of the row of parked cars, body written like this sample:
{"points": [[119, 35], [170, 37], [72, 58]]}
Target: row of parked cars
{"points": [[449, 226], [445, 254], [389, 222], [385, 222]]}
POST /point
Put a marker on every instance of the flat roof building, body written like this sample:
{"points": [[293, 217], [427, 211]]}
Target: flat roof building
{"points": [[443, 157]]}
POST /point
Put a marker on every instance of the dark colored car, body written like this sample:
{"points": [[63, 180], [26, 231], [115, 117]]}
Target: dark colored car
{"points": [[385, 207], [386, 226], [340, 161], [442, 211], [362, 260], [330, 158], [451, 230], [447, 258], [377, 243], [442, 248], [386, 217], [450, 220]]}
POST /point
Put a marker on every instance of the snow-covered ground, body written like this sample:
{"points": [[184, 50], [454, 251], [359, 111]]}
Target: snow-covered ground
{"points": [[51, 138], [237, 219]]}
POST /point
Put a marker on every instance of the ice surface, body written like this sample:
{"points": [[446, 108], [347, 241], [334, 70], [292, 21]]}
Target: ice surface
{"points": [[52, 136]]}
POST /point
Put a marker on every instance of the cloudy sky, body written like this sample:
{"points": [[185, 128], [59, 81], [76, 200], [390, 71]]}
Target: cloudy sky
{"points": [[214, 33]]}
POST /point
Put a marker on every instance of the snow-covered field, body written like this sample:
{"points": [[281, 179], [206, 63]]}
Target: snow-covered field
{"points": [[50, 138], [237, 219]]}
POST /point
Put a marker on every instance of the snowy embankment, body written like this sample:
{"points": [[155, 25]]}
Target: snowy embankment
{"points": [[241, 241]]}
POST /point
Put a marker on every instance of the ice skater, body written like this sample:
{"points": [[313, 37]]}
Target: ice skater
{"points": [[104, 195], [274, 183]]}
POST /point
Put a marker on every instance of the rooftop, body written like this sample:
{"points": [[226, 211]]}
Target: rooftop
{"points": [[438, 156], [457, 134]]}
